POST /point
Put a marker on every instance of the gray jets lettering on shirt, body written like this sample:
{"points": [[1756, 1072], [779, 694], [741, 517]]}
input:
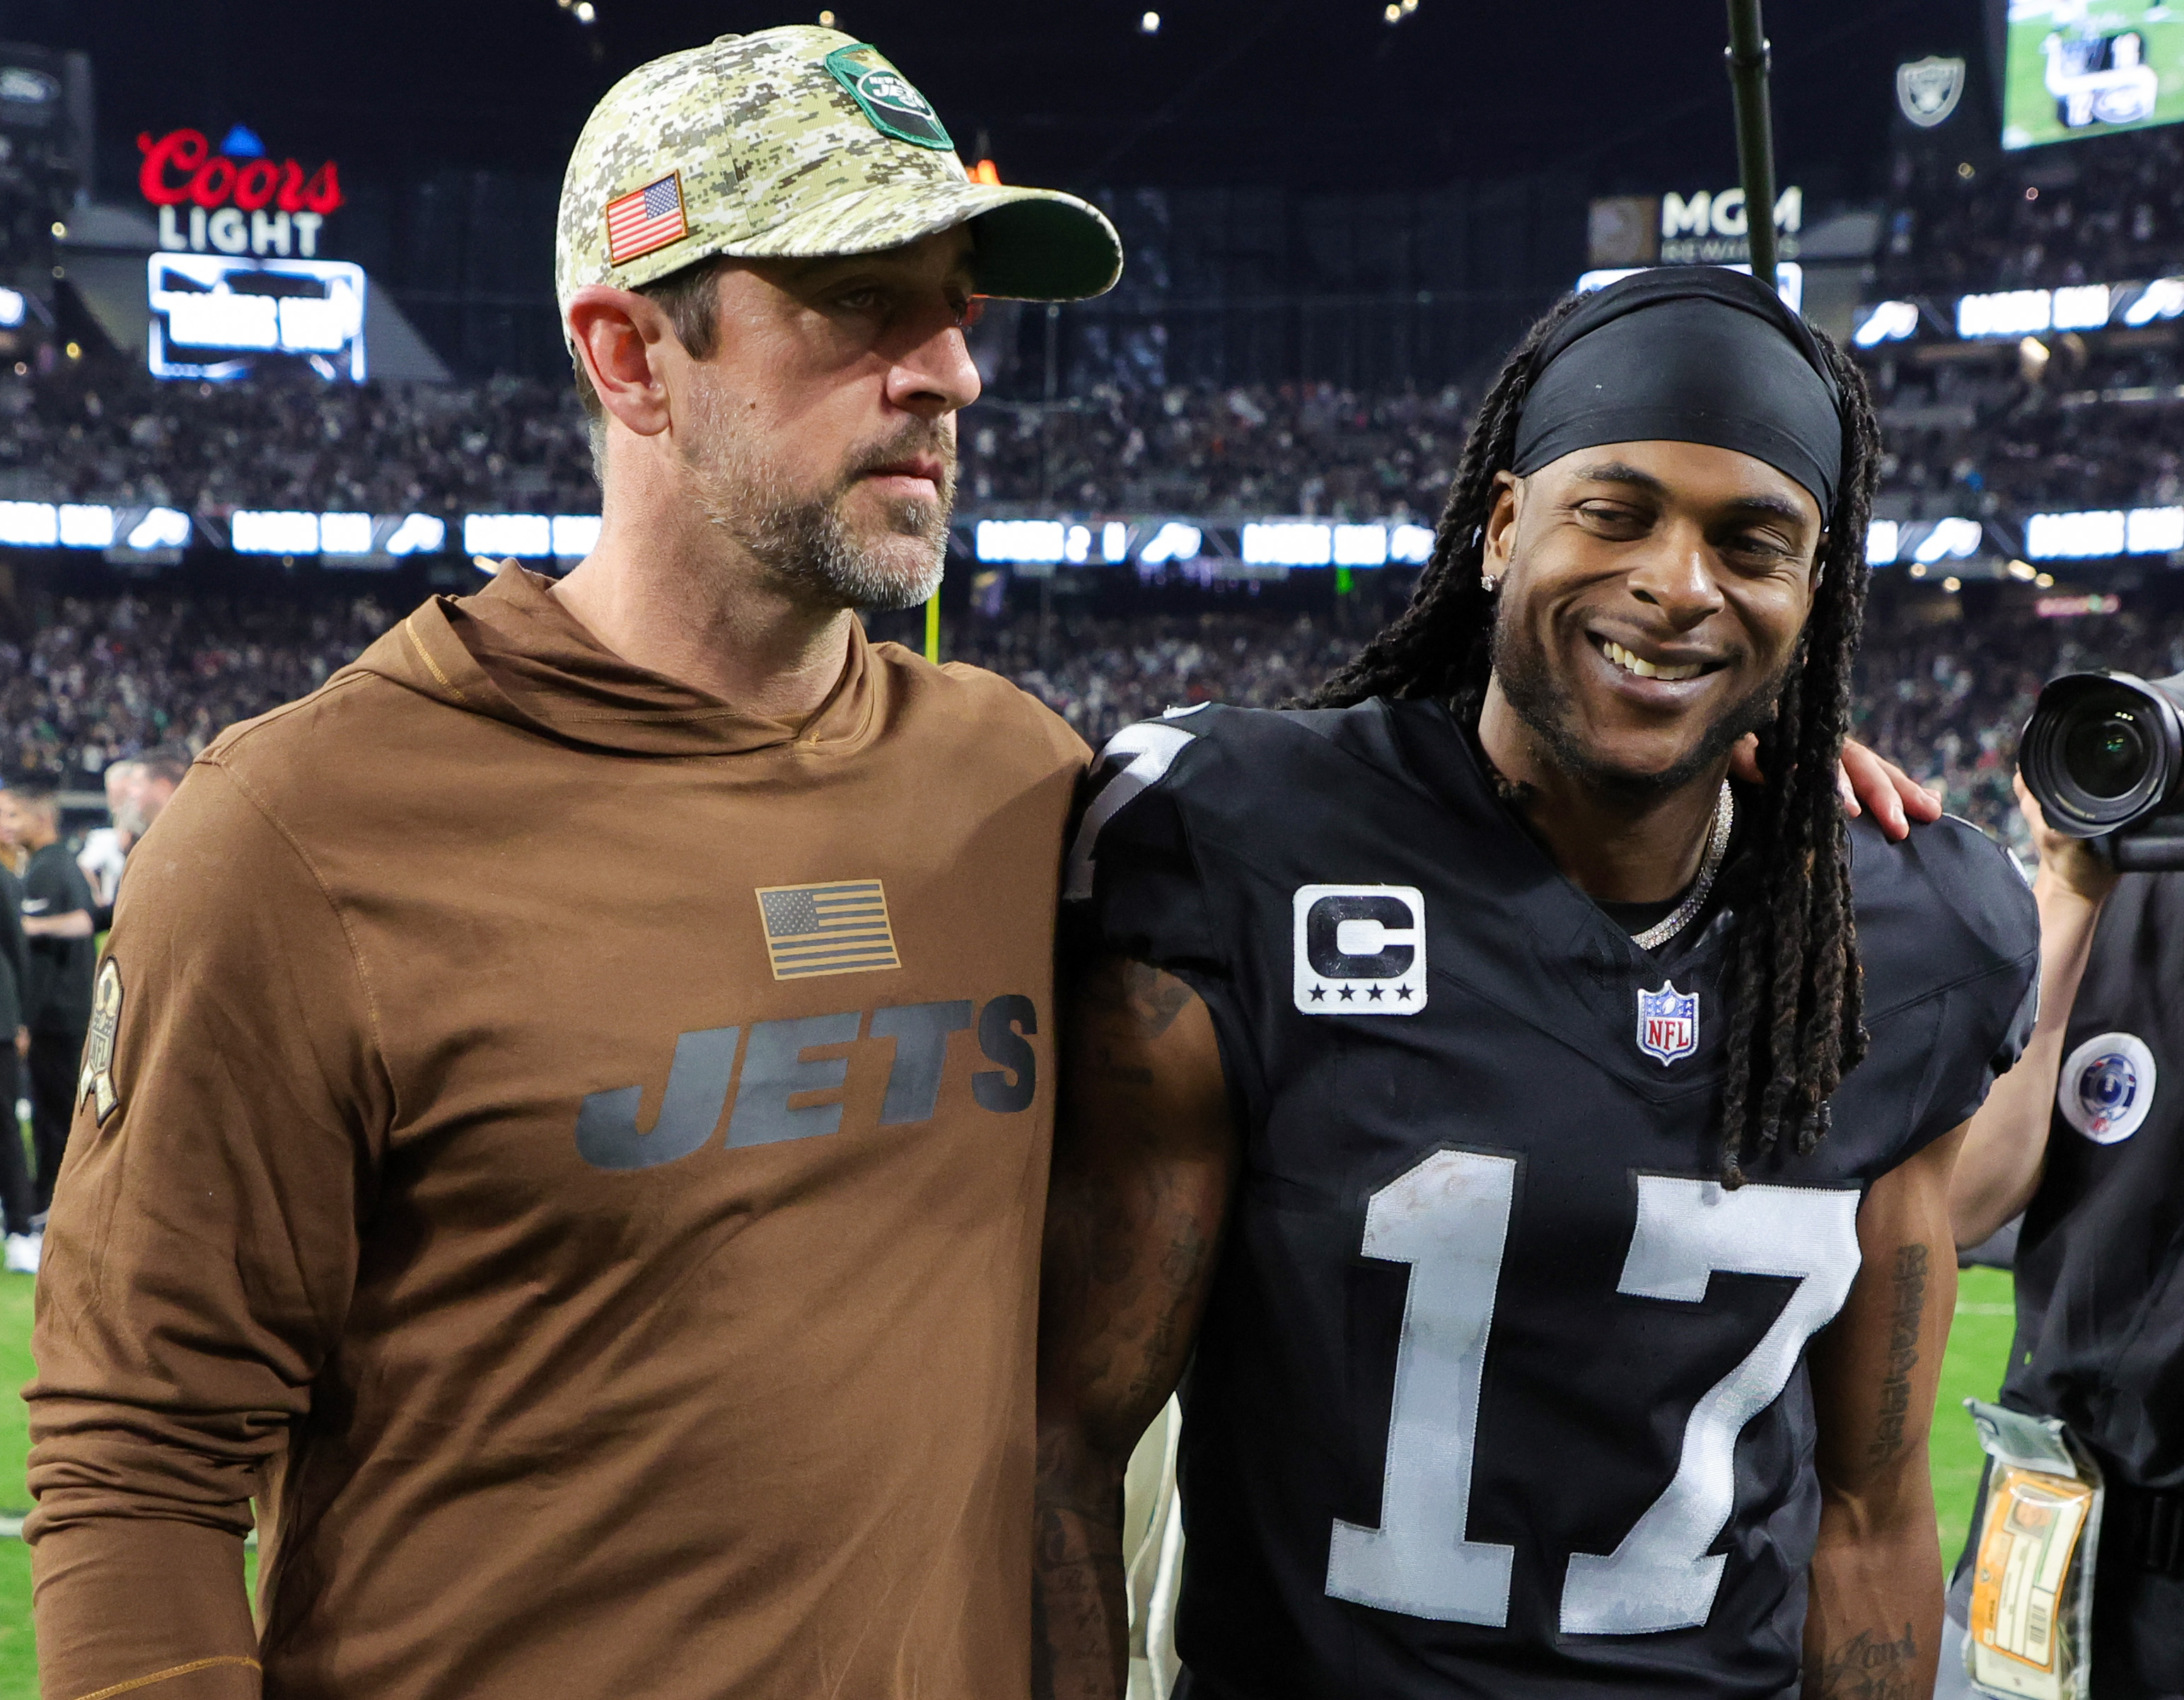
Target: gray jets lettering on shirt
{"points": [[777, 1066]]}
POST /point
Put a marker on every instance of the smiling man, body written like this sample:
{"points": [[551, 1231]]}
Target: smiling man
{"points": [[565, 1118], [1543, 1141]]}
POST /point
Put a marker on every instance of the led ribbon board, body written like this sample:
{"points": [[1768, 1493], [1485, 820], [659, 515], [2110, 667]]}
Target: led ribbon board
{"points": [[217, 317]]}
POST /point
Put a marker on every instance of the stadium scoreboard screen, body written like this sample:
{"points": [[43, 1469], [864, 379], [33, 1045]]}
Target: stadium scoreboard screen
{"points": [[218, 317], [2075, 68]]}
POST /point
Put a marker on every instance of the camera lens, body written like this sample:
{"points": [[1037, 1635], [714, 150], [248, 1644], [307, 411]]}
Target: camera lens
{"points": [[2106, 753], [2103, 751]]}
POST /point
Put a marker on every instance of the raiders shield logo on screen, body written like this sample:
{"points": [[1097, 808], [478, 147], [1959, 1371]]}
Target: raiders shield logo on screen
{"points": [[1927, 90]]}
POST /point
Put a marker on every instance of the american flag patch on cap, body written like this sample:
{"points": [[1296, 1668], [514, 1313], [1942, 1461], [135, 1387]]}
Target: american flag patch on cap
{"points": [[827, 929], [646, 219]]}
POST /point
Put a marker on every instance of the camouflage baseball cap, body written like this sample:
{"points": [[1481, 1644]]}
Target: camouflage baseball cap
{"points": [[800, 142]]}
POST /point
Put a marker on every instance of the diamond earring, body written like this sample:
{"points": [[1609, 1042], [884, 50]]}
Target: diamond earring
{"points": [[1489, 582]]}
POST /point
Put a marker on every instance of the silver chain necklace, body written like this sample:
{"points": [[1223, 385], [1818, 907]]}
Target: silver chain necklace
{"points": [[1725, 818]]}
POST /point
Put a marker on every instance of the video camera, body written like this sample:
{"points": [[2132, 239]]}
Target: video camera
{"points": [[2104, 753]]}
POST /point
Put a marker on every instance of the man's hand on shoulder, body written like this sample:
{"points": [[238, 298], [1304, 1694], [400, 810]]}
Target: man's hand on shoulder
{"points": [[1868, 781]]}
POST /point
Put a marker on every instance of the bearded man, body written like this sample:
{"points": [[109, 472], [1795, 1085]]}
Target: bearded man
{"points": [[565, 1125]]}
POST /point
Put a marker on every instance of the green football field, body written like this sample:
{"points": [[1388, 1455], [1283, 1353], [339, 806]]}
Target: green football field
{"points": [[2031, 112], [1978, 1344]]}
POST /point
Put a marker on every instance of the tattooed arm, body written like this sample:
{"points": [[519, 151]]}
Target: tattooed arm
{"points": [[1873, 1629], [1145, 1155]]}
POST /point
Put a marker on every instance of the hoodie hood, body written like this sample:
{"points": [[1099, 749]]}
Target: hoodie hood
{"points": [[513, 653]]}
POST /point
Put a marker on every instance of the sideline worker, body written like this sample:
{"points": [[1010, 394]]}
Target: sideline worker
{"points": [[2086, 1137], [57, 911], [569, 1132]]}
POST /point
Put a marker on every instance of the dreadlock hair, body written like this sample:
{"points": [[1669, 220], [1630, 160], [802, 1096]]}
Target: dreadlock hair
{"points": [[1795, 1020]]}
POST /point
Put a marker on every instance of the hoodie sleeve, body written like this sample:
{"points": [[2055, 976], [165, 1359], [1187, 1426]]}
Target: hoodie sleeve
{"points": [[202, 1250]]}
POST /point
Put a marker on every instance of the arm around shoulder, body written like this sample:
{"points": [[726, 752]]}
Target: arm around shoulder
{"points": [[1145, 1157], [202, 1248]]}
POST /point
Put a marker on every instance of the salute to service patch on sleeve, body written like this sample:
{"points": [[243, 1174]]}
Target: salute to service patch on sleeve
{"points": [[96, 1080]]}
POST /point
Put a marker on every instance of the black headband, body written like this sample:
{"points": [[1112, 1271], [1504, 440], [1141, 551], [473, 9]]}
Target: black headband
{"points": [[1687, 353]]}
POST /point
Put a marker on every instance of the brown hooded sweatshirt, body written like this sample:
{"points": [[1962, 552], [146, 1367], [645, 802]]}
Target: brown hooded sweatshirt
{"points": [[574, 1152]]}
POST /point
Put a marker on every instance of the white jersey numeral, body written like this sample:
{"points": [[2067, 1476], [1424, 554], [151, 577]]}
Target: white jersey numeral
{"points": [[1151, 745], [1662, 1577], [1448, 1219]]}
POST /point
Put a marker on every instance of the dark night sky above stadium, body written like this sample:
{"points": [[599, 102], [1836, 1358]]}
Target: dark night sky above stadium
{"points": [[1313, 93]]}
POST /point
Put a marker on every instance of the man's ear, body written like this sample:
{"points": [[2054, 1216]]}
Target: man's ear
{"points": [[623, 338], [1500, 537]]}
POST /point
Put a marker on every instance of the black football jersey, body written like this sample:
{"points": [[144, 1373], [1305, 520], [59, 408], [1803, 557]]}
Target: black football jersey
{"points": [[2100, 1261], [1499, 1393], [2100, 1267]]}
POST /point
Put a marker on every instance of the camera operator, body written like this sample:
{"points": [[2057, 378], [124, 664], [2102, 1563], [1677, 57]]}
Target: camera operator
{"points": [[2086, 1137]]}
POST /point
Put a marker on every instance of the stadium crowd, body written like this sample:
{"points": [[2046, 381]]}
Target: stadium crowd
{"points": [[102, 679], [102, 432], [2106, 209], [2080, 431]]}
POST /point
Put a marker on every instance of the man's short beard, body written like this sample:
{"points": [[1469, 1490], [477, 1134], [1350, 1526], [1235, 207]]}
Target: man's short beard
{"points": [[804, 544], [1542, 700]]}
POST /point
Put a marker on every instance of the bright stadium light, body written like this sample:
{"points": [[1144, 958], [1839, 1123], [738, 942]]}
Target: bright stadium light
{"points": [[1149, 25], [1891, 321], [1173, 541], [527, 535], [1412, 545], [1020, 542], [2154, 531], [345, 533], [273, 531], [2083, 307], [2009, 313], [1882, 540], [1361, 545], [419, 534], [1789, 280], [2075, 536], [1953, 537], [1288, 542], [161, 528], [2162, 298], [83, 526], [12, 307], [30, 525], [575, 535]]}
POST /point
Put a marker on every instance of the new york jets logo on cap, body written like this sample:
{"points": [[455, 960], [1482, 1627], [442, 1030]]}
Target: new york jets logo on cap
{"points": [[887, 97]]}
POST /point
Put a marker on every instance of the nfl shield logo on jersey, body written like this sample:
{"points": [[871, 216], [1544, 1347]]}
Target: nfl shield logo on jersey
{"points": [[1668, 1022]]}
